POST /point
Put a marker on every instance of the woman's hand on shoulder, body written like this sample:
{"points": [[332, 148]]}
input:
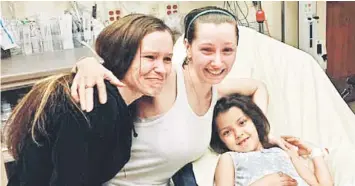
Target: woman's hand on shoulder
{"points": [[279, 141], [303, 149], [89, 72]]}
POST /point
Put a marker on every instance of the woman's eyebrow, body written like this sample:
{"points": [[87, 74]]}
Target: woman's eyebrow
{"points": [[223, 128], [205, 43], [149, 52], [154, 53], [229, 43]]}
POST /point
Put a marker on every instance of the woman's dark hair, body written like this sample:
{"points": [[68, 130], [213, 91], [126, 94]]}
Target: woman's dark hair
{"points": [[250, 109], [118, 43], [213, 15]]}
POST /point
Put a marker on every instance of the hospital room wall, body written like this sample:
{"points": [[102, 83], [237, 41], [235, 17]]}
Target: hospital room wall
{"points": [[322, 13], [272, 10]]}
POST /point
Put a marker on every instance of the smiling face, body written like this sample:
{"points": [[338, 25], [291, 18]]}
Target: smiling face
{"points": [[213, 51], [137, 49], [151, 64], [237, 131]]}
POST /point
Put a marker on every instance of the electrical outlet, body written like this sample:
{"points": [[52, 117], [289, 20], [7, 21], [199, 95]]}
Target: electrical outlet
{"points": [[118, 14], [172, 8], [114, 15]]}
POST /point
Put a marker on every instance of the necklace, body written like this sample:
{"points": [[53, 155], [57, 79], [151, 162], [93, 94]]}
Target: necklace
{"points": [[192, 85], [194, 88]]}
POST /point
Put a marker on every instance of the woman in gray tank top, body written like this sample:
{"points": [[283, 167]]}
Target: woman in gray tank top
{"points": [[239, 131]]}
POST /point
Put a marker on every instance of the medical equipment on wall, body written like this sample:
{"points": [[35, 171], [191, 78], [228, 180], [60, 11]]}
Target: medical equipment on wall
{"points": [[309, 40], [27, 46], [40, 33], [86, 26], [7, 39], [47, 40], [241, 9], [260, 17], [65, 25], [236, 9]]}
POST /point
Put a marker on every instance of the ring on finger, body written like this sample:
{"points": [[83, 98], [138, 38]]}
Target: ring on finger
{"points": [[87, 86]]}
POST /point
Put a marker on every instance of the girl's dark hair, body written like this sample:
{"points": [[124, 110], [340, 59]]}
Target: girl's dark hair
{"points": [[250, 109], [117, 44]]}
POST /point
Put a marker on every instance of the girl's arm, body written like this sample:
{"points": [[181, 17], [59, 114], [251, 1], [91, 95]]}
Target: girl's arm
{"points": [[247, 87], [305, 173], [321, 175], [224, 175], [321, 169]]}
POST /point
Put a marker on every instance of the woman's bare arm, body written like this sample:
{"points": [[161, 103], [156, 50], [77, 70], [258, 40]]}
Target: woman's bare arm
{"points": [[248, 87], [89, 72]]}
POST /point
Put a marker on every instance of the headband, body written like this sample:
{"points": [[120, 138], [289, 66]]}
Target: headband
{"points": [[206, 12]]}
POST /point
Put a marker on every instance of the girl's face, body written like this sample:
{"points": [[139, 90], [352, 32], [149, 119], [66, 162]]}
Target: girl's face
{"points": [[213, 51], [237, 131], [151, 64]]}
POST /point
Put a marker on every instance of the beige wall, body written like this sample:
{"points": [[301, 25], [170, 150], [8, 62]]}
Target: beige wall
{"points": [[291, 23], [322, 13], [273, 15], [21, 9]]}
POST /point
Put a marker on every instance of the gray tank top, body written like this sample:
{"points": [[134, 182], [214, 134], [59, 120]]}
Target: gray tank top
{"points": [[252, 166]]}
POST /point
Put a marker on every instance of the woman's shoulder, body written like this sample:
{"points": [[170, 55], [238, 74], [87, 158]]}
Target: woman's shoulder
{"points": [[107, 114], [113, 97], [113, 103]]}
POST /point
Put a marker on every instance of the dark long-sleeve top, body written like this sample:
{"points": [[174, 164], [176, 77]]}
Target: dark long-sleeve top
{"points": [[77, 152]]}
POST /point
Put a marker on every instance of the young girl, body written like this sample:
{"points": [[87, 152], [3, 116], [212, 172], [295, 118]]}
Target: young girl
{"points": [[239, 133]]}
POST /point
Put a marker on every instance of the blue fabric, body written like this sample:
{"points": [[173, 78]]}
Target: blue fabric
{"points": [[185, 176]]}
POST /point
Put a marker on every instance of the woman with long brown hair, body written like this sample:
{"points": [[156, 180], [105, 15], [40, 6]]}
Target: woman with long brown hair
{"points": [[55, 143]]}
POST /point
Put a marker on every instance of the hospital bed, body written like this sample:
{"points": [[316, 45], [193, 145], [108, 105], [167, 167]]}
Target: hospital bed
{"points": [[303, 102]]}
